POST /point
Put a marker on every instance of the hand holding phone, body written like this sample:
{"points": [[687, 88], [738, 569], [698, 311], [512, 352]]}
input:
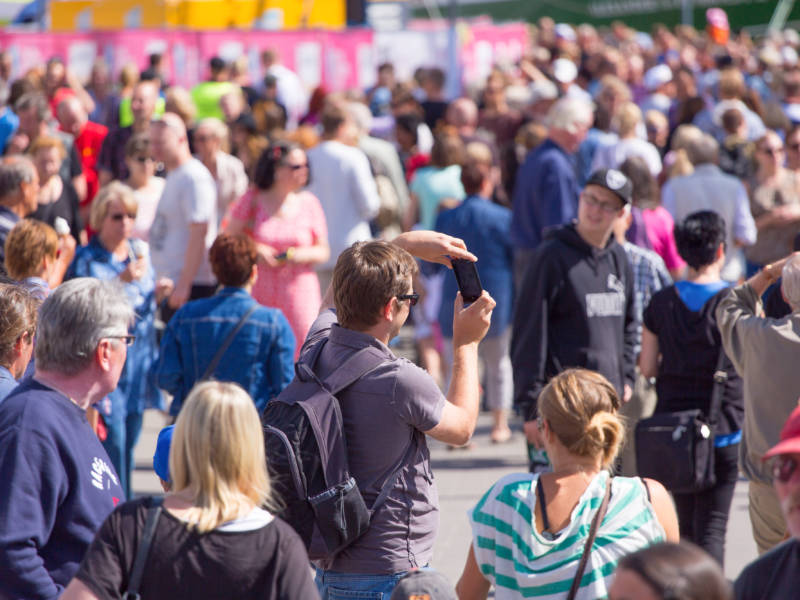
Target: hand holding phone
{"points": [[469, 284]]}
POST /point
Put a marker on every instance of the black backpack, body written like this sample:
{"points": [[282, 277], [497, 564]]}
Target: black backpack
{"points": [[307, 455]]}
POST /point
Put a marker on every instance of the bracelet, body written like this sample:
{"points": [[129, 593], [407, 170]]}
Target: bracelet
{"points": [[290, 253]]}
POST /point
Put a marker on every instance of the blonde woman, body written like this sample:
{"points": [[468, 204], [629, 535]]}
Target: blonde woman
{"points": [[529, 530], [213, 539]]}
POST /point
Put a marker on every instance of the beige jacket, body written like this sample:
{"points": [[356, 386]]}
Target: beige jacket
{"points": [[766, 354]]}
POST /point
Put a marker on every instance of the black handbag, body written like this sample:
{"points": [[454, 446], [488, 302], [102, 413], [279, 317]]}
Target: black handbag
{"points": [[677, 448]]}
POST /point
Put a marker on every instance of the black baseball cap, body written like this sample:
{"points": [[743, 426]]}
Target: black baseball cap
{"points": [[614, 181]]}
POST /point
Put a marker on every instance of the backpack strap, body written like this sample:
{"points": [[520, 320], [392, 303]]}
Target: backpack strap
{"points": [[413, 446], [212, 366], [153, 513], [345, 375]]}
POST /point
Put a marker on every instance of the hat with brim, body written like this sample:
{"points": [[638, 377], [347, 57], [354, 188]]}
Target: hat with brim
{"points": [[564, 70], [614, 181], [790, 437]]}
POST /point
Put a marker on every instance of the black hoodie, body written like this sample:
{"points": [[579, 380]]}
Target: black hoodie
{"points": [[574, 309]]}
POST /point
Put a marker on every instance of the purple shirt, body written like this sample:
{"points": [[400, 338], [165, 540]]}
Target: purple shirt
{"points": [[380, 413]]}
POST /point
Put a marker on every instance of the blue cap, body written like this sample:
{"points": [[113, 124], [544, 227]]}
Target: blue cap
{"points": [[161, 457]]}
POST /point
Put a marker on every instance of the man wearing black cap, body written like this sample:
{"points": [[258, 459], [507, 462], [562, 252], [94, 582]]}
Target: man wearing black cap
{"points": [[575, 306]]}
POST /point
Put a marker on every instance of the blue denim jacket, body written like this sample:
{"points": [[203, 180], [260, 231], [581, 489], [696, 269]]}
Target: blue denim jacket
{"points": [[260, 359]]}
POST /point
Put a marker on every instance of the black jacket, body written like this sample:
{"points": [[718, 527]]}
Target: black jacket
{"points": [[574, 309]]}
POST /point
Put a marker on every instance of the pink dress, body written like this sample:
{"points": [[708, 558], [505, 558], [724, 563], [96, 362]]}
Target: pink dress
{"points": [[659, 226], [291, 287]]}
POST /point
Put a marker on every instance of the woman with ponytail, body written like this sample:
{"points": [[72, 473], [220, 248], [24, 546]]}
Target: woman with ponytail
{"points": [[530, 530]]}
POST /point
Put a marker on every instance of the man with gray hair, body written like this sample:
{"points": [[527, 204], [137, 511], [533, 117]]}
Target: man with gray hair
{"points": [[19, 191], [764, 352], [709, 188], [58, 481], [546, 191]]}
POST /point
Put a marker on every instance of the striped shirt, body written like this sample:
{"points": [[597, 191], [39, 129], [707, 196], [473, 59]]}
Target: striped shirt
{"points": [[521, 563]]}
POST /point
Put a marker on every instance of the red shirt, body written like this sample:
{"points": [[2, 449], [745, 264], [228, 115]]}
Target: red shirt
{"points": [[88, 144]]}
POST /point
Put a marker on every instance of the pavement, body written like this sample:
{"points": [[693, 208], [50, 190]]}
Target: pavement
{"points": [[462, 477]]}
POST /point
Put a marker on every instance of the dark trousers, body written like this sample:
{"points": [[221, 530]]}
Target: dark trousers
{"points": [[703, 517], [198, 291]]}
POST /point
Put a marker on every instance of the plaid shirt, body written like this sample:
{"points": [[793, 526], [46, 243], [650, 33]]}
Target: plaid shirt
{"points": [[649, 275]]}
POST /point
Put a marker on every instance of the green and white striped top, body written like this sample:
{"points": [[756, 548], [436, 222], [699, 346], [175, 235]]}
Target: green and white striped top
{"points": [[523, 564]]}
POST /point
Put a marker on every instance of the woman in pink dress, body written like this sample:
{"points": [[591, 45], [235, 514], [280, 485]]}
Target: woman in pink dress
{"points": [[289, 229]]}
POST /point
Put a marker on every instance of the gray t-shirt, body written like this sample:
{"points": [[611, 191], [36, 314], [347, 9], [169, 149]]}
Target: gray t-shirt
{"points": [[381, 412], [189, 196]]}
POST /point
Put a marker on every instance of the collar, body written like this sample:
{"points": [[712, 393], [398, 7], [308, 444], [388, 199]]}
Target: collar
{"points": [[230, 290], [5, 211], [6, 374], [357, 340]]}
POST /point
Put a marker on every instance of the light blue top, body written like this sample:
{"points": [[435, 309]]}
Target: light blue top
{"points": [[432, 185]]}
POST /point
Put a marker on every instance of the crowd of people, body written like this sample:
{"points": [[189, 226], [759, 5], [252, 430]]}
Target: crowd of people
{"points": [[632, 203]]}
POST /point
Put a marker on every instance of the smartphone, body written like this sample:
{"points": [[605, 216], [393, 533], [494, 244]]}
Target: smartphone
{"points": [[469, 284]]}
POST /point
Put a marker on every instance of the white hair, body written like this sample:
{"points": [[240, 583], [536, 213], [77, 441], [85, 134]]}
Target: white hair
{"points": [[569, 113], [790, 285]]}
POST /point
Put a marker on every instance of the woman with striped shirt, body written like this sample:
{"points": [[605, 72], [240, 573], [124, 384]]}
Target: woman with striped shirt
{"points": [[529, 530]]}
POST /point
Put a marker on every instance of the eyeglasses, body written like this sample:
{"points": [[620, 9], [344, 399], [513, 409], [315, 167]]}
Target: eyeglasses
{"points": [[604, 206], [129, 339], [784, 467], [412, 298], [297, 167], [121, 216], [143, 159]]}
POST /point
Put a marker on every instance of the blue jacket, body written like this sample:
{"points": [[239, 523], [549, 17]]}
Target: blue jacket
{"points": [[484, 227], [58, 487], [545, 194], [260, 359]]}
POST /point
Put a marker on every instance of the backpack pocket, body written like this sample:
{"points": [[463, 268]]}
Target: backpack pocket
{"points": [[341, 515]]}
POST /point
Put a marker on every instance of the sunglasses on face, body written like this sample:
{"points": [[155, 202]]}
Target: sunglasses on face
{"points": [[121, 216], [793, 147], [412, 298], [784, 467]]}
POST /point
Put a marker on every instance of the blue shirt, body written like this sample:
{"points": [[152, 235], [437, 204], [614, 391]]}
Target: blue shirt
{"points": [[695, 295], [484, 227], [260, 358], [137, 388], [58, 487], [7, 383], [546, 194]]}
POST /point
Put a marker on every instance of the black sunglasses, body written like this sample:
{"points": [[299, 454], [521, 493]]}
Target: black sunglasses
{"points": [[783, 468], [412, 298]]}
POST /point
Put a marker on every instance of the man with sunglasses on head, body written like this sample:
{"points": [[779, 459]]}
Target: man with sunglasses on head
{"points": [[776, 574], [575, 307], [387, 412], [764, 352]]}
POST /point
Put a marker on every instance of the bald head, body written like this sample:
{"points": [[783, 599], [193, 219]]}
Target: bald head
{"points": [[463, 115], [168, 141], [143, 102], [71, 115]]}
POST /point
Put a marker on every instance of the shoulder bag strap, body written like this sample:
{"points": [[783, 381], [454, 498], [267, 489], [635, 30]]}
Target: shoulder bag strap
{"points": [[720, 378], [212, 366], [137, 571], [587, 549]]}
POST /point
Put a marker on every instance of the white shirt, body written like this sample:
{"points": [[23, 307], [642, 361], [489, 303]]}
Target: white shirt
{"points": [[611, 157], [189, 197], [342, 181]]}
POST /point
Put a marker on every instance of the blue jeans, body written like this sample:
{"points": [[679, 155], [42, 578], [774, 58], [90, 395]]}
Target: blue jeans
{"points": [[344, 586]]}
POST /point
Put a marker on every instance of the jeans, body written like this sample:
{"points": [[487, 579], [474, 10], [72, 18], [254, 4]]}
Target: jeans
{"points": [[123, 433], [703, 517], [342, 586]]}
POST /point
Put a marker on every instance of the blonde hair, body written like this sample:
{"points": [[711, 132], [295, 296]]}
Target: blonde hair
{"points": [[218, 452], [28, 243], [627, 118], [107, 194], [178, 100], [580, 406]]}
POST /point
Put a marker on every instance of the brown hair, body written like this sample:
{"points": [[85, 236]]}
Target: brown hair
{"points": [[473, 174], [18, 314], [366, 277], [448, 149], [580, 407], [27, 245], [47, 142], [232, 257], [333, 116]]}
